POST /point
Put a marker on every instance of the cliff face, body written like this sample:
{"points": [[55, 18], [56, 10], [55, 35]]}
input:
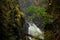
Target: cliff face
{"points": [[36, 2]]}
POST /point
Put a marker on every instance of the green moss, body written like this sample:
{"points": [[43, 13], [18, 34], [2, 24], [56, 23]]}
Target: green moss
{"points": [[39, 12], [10, 16]]}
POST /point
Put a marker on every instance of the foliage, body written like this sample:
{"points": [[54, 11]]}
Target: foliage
{"points": [[40, 13], [10, 20]]}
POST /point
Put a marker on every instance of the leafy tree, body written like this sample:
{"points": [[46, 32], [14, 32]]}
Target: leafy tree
{"points": [[39, 12]]}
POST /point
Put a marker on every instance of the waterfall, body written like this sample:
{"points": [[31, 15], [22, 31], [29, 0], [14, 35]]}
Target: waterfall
{"points": [[35, 31]]}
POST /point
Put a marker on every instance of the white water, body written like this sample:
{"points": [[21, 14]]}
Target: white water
{"points": [[35, 31]]}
